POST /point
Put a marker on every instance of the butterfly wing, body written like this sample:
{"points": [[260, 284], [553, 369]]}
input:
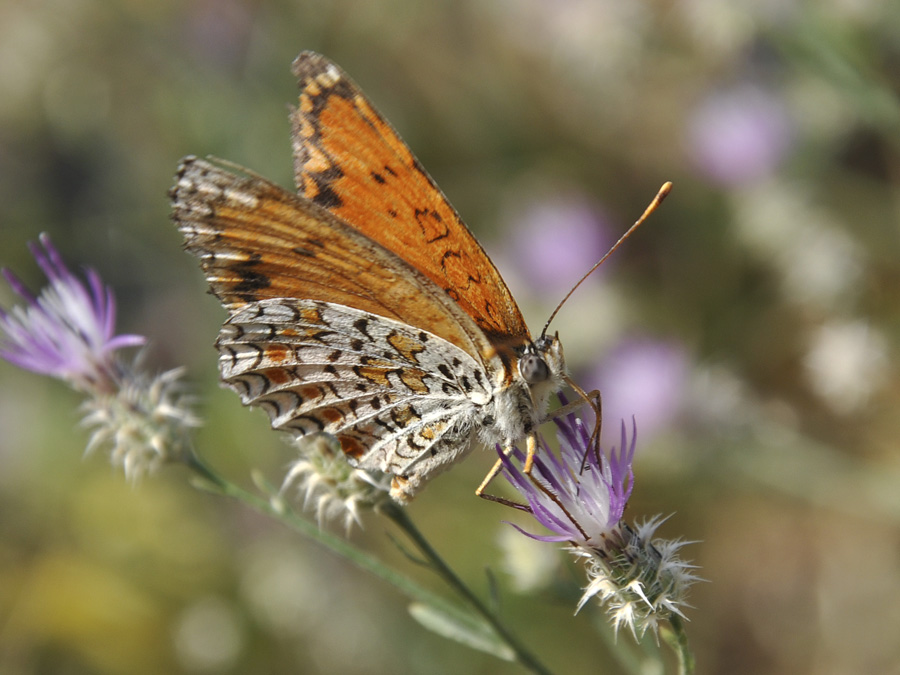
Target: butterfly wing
{"points": [[397, 399], [256, 240], [350, 160], [330, 332]]}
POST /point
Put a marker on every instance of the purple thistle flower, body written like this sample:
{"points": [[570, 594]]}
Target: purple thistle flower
{"points": [[68, 331], [579, 494]]}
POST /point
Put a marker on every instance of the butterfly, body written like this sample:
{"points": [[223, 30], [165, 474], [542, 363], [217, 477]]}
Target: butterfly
{"points": [[362, 306]]}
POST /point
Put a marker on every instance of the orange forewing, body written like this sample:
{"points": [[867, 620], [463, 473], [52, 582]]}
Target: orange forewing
{"points": [[349, 160], [257, 241]]}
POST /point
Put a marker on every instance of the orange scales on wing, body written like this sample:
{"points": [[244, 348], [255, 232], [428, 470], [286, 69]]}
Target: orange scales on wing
{"points": [[286, 246], [350, 160]]}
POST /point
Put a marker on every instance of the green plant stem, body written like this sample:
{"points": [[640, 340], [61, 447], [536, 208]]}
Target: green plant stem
{"points": [[307, 528], [403, 521], [342, 547], [677, 640]]}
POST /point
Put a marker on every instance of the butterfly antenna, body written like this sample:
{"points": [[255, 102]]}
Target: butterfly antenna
{"points": [[657, 200]]}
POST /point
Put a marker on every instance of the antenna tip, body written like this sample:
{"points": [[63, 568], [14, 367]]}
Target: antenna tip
{"points": [[665, 190]]}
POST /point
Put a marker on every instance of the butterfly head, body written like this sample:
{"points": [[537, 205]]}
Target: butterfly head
{"points": [[543, 367]]}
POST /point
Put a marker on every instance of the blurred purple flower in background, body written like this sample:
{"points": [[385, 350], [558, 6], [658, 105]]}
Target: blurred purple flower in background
{"points": [[643, 377], [738, 135], [554, 242], [218, 31]]}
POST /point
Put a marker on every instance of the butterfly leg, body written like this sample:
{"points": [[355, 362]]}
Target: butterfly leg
{"points": [[498, 465], [531, 443], [529, 462], [593, 398]]}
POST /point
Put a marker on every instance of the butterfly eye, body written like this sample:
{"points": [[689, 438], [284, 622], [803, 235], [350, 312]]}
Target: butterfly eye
{"points": [[533, 368]]}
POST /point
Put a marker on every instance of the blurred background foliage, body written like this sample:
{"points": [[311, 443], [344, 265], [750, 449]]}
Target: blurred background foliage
{"points": [[751, 326]]}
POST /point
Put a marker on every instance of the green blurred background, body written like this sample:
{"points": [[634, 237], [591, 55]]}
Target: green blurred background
{"points": [[751, 326]]}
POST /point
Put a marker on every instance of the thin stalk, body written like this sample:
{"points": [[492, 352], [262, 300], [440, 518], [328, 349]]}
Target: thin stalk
{"points": [[677, 640], [370, 564], [403, 521], [309, 529]]}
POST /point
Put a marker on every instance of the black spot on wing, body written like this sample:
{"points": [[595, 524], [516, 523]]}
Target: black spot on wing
{"points": [[326, 197], [252, 280], [362, 325]]}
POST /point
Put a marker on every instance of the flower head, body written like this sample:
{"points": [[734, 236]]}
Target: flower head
{"points": [[580, 495], [329, 485], [68, 331], [145, 423], [640, 580]]}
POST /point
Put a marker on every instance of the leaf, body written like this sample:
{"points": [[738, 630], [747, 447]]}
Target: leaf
{"points": [[461, 627]]}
